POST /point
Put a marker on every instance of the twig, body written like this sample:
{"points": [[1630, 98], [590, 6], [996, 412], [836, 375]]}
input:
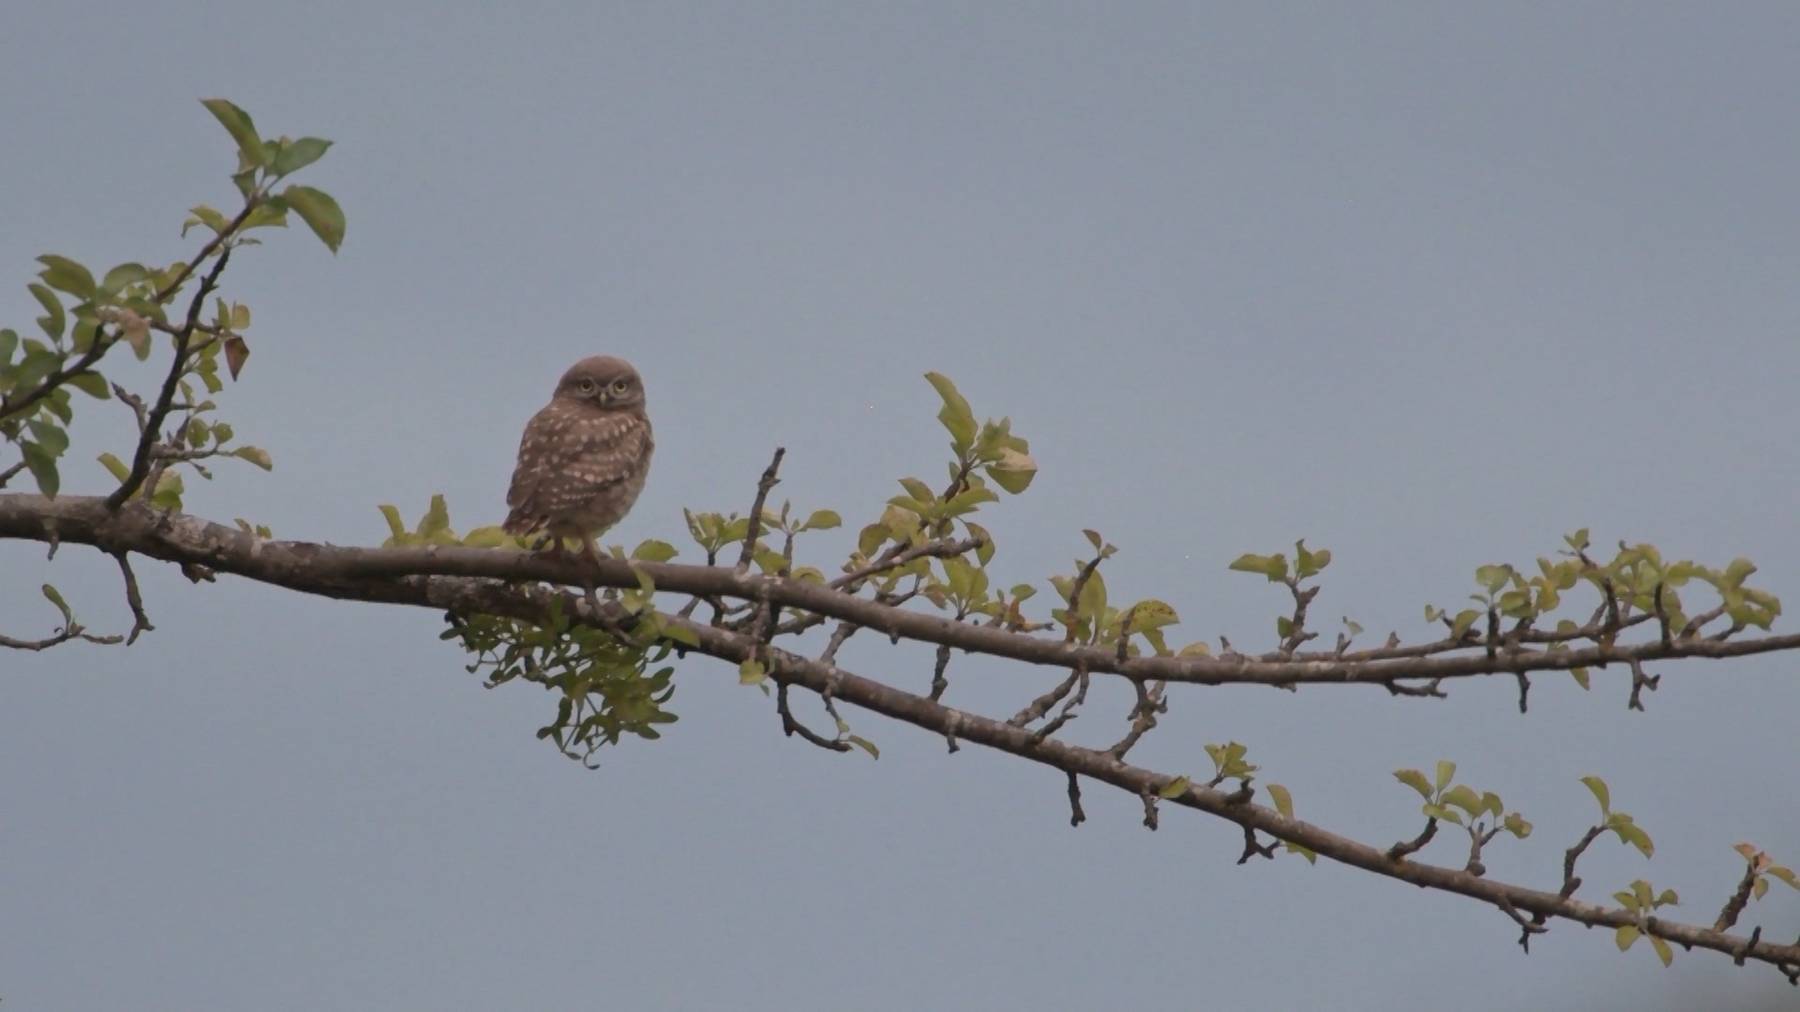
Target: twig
{"points": [[938, 682], [790, 725], [1254, 849], [1076, 815], [140, 622], [1527, 927], [763, 485], [1570, 883], [140, 463], [11, 473], [892, 559], [1405, 847], [1639, 682], [1735, 905], [1150, 702]]}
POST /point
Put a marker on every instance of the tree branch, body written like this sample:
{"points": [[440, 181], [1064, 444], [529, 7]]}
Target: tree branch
{"points": [[487, 582]]}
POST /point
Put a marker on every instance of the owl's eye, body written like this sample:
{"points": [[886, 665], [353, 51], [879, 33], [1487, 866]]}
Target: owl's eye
{"points": [[587, 386], [620, 386]]}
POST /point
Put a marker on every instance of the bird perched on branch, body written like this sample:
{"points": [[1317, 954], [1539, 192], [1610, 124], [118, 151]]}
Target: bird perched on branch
{"points": [[584, 456]]}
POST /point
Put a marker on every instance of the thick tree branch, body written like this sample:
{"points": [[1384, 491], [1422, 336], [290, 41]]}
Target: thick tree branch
{"points": [[484, 584], [183, 538]]}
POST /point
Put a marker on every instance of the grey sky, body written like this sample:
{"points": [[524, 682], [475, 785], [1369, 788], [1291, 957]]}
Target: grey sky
{"points": [[1426, 285]]}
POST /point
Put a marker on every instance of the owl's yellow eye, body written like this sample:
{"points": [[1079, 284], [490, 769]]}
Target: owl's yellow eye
{"points": [[587, 386], [620, 386]]}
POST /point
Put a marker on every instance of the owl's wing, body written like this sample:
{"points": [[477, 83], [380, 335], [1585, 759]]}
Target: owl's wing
{"points": [[569, 456]]}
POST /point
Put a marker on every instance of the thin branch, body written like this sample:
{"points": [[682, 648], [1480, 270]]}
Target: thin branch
{"points": [[763, 485], [140, 622], [790, 725], [1735, 905], [140, 462], [1570, 883], [1414, 845], [1076, 815], [892, 560]]}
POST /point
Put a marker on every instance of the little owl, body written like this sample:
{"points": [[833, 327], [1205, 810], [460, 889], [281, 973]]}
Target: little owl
{"points": [[584, 457]]}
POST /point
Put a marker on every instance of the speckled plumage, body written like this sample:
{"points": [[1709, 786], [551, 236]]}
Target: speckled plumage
{"points": [[584, 457]]}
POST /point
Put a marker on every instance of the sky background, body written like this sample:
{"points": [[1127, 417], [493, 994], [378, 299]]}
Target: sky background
{"points": [[1425, 285]]}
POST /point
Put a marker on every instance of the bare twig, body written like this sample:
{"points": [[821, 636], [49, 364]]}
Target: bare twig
{"points": [[1417, 843], [1076, 815], [938, 682], [1735, 905], [1570, 883], [790, 725], [763, 485], [140, 622]]}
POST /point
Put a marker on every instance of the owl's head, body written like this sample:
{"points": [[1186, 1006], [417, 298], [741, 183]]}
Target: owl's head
{"points": [[605, 382]]}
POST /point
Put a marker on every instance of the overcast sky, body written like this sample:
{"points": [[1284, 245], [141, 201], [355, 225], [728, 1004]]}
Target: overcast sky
{"points": [[1424, 285]]}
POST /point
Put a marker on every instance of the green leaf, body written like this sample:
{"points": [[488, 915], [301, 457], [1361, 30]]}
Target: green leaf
{"points": [[1465, 798], [985, 552], [1442, 814], [1310, 563], [1663, 952], [1445, 771], [121, 276], [1629, 832], [1626, 936], [955, 415], [1667, 898], [115, 466], [42, 465], [1274, 567], [92, 384], [654, 551], [167, 494], [1415, 780], [55, 597], [1601, 794], [53, 319], [319, 211], [1013, 471], [1517, 826], [751, 672], [202, 214], [1464, 619], [66, 275], [9, 343], [237, 123], [395, 525], [1284, 802], [1786, 875], [1580, 675], [865, 744], [53, 438], [490, 536], [258, 456], [297, 155], [823, 520], [436, 519], [1174, 788]]}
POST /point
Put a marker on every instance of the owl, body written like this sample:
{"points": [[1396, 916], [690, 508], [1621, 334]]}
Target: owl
{"points": [[584, 457]]}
